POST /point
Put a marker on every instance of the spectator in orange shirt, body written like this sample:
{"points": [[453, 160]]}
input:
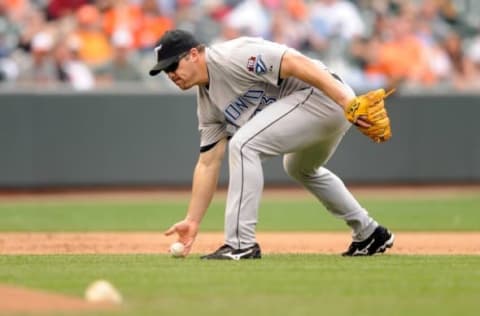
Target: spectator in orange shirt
{"points": [[402, 58], [121, 16], [145, 22], [94, 46], [152, 25]]}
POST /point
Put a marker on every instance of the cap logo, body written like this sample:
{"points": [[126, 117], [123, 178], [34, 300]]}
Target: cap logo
{"points": [[157, 49]]}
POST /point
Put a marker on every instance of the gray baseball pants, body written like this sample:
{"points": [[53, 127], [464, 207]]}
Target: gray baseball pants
{"points": [[306, 127]]}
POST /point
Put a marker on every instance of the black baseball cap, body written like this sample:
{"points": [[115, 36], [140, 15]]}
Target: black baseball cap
{"points": [[169, 48]]}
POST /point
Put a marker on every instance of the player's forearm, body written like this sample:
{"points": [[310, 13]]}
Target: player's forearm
{"points": [[305, 69], [205, 179]]}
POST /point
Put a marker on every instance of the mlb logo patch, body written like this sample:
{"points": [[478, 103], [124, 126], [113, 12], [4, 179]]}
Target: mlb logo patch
{"points": [[251, 63]]}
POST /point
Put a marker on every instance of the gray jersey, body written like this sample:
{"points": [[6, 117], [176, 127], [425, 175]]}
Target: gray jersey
{"points": [[243, 79]]}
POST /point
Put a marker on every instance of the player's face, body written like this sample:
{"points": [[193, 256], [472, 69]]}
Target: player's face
{"points": [[182, 73]]}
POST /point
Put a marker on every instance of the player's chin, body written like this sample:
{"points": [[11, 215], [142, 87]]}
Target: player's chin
{"points": [[184, 86]]}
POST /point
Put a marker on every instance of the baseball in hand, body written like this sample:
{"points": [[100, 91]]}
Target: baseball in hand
{"points": [[176, 249]]}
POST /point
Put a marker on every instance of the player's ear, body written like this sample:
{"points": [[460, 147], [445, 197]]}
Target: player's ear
{"points": [[194, 53]]}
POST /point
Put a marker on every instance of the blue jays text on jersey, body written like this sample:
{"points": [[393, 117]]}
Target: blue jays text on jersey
{"points": [[242, 104]]}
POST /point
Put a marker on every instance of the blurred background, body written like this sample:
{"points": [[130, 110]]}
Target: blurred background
{"points": [[82, 44], [77, 106]]}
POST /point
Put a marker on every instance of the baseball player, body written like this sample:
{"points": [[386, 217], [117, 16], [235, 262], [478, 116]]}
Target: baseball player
{"points": [[263, 99]]}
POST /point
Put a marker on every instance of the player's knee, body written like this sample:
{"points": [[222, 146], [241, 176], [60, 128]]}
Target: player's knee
{"points": [[239, 144], [292, 168], [297, 170]]}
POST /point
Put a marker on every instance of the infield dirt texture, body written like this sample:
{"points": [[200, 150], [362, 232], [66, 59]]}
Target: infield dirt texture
{"points": [[111, 241]]}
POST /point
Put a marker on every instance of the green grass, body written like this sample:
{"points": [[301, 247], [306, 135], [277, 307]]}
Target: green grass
{"points": [[276, 285], [443, 213]]}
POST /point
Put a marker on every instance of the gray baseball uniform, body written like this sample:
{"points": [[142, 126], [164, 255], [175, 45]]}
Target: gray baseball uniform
{"points": [[267, 117]]}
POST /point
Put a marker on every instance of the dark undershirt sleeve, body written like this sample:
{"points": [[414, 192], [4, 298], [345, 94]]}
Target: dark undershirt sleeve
{"points": [[207, 147]]}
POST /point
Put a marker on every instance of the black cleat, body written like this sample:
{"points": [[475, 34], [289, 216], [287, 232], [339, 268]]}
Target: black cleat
{"points": [[377, 242], [226, 252]]}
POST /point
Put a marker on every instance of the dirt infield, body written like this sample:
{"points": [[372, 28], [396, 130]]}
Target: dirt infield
{"points": [[281, 242], [19, 300]]}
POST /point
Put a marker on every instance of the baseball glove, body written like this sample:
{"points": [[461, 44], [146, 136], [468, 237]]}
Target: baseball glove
{"points": [[370, 107]]}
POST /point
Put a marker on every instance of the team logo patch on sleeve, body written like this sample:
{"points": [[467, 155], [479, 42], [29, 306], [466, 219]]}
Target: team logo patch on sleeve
{"points": [[260, 67], [256, 65]]}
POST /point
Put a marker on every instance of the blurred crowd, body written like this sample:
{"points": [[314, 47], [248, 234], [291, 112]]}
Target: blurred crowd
{"points": [[90, 44]]}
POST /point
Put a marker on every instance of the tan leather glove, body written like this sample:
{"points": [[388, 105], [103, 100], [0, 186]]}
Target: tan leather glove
{"points": [[370, 107]]}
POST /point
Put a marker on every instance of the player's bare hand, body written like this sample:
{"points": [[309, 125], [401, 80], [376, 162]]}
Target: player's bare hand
{"points": [[187, 231]]}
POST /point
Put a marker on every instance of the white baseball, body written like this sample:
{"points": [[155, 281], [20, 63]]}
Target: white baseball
{"points": [[101, 291], [176, 249]]}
